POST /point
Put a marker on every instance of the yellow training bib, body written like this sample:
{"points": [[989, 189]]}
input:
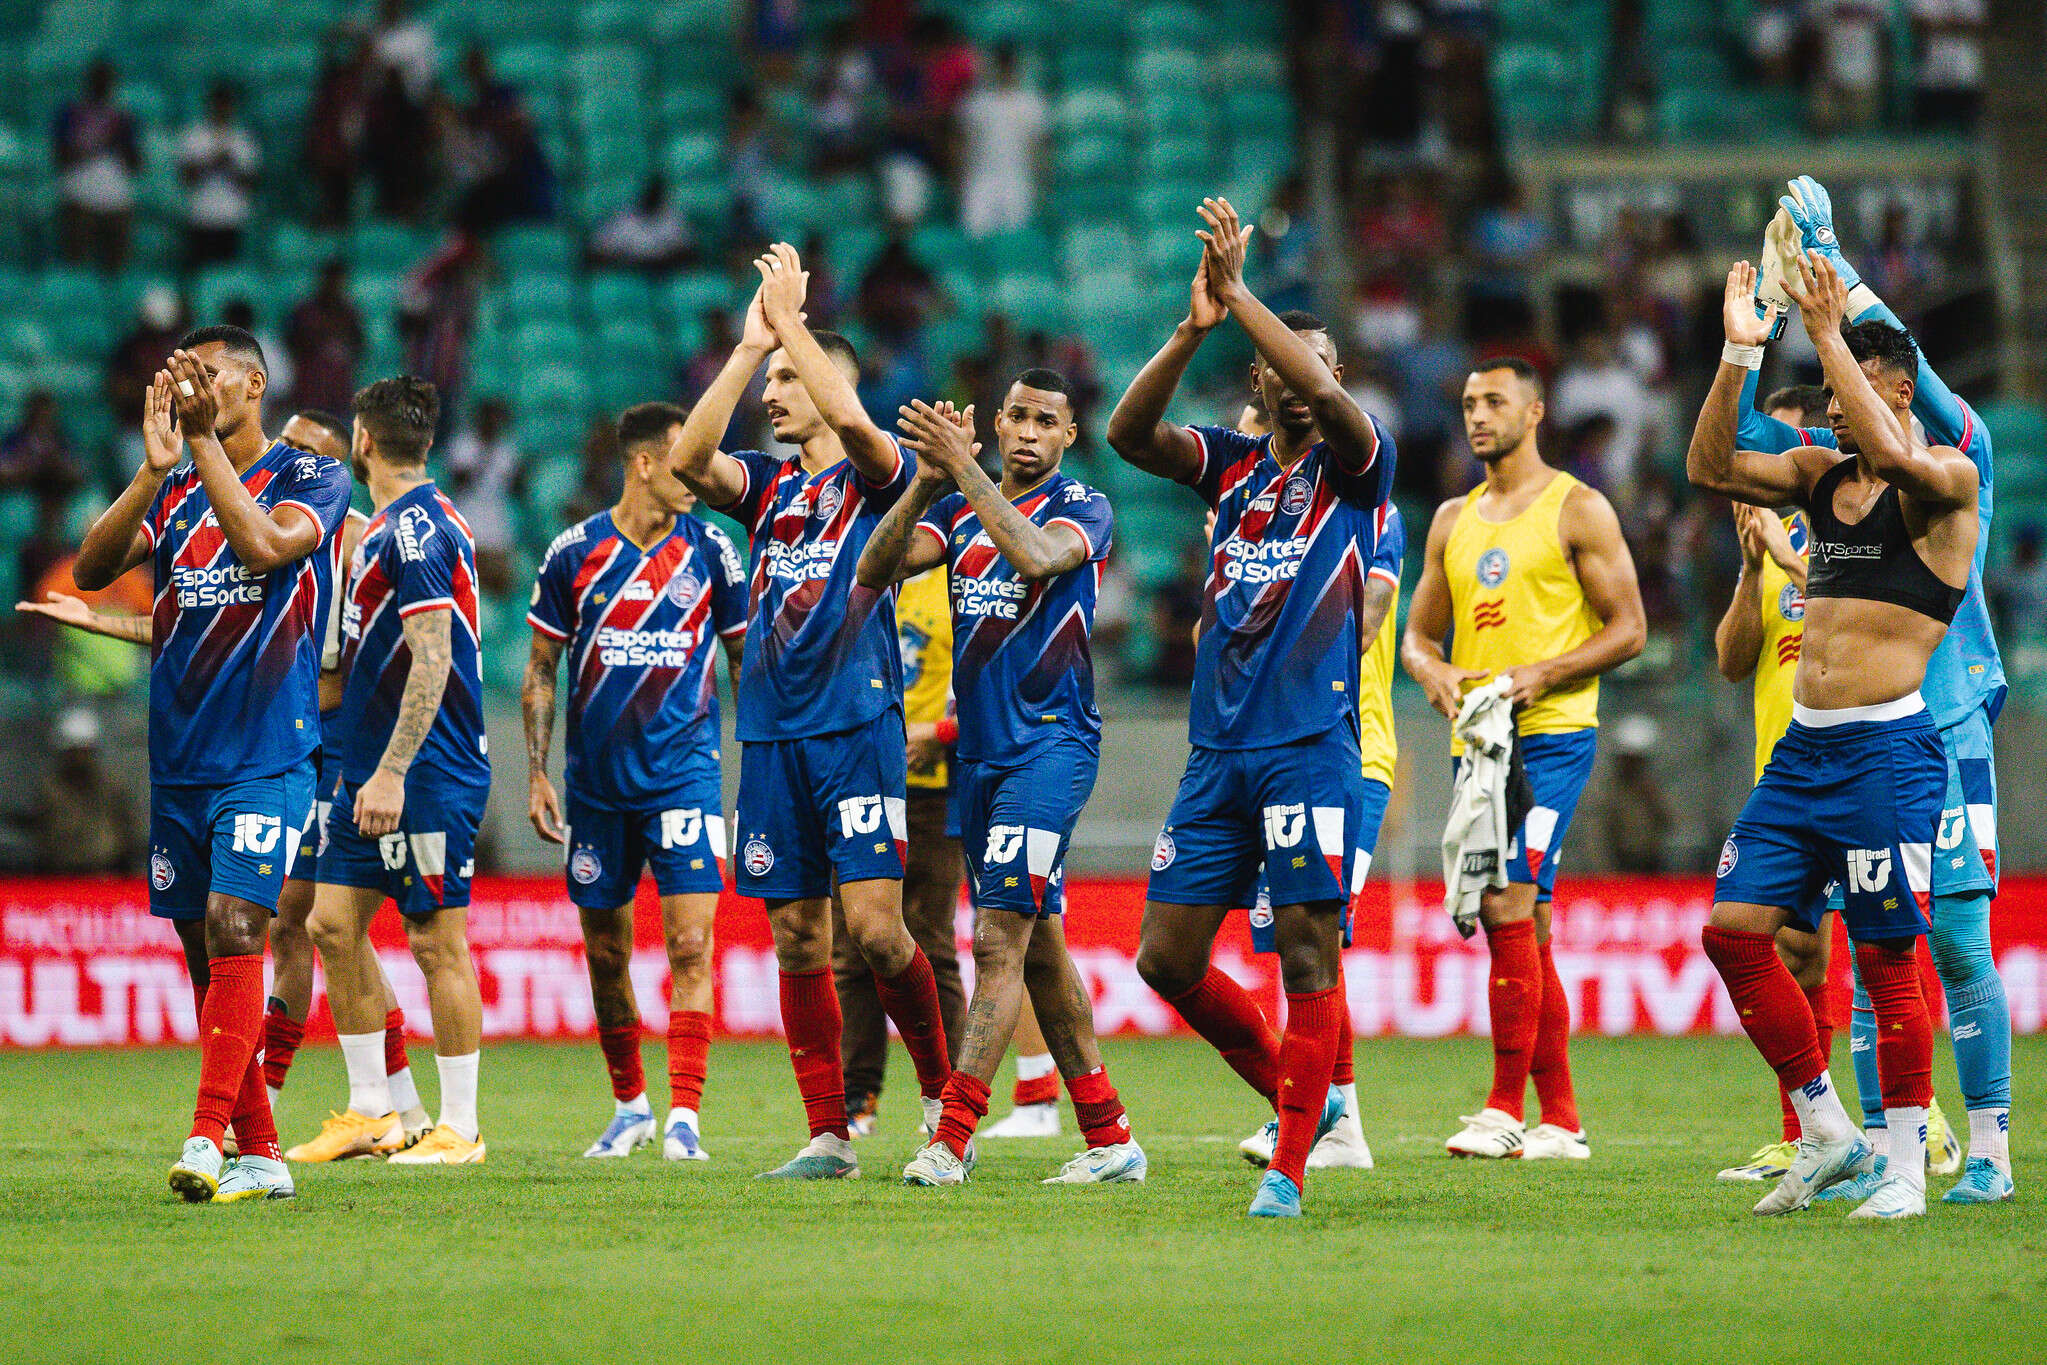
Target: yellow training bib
{"points": [[1376, 741], [1783, 612], [924, 629]]}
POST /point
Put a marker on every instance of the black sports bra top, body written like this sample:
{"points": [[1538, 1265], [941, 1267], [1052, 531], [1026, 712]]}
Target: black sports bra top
{"points": [[1872, 559]]}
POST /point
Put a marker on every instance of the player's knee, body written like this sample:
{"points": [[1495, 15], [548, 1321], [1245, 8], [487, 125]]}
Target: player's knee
{"points": [[1307, 967], [608, 959], [1168, 970], [689, 948], [436, 953], [331, 933], [1960, 941]]}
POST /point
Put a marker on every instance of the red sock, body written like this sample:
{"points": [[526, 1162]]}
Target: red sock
{"points": [[1041, 1090], [1345, 1072], [1514, 995], [395, 1059], [282, 1035], [230, 1030], [966, 1104], [910, 999], [621, 1047], [1766, 996], [689, 1051], [1225, 1014], [1307, 1057], [1904, 1031], [1102, 1120], [1550, 1066], [810, 1018], [255, 1126]]}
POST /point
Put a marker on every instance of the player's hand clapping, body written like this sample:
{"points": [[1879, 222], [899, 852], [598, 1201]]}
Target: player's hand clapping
{"points": [[379, 803], [1223, 246], [198, 407], [756, 335], [1820, 295], [1750, 535], [543, 809], [1204, 311], [941, 434], [783, 285], [1738, 309], [162, 447]]}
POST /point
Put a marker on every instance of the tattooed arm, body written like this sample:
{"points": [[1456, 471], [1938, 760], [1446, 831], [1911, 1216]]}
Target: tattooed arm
{"points": [[536, 707], [73, 612], [381, 800]]}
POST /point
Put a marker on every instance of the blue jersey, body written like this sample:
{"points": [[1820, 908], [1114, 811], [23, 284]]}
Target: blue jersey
{"points": [[234, 676], [1278, 656], [1965, 673], [1023, 675], [642, 627], [821, 651], [416, 555]]}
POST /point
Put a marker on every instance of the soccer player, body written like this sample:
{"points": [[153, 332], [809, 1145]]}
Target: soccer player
{"points": [[932, 866], [1964, 691], [234, 539], [1275, 778], [640, 596], [1529, 576], [821, 794], [414, 771], [1023, 559], [1853, 791]]}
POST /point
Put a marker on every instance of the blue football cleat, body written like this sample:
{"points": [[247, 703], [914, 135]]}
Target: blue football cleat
{"points": [[1333, 1110], [825, 1157], [1859, 1187], [680, 1143], [628, 1131], [1277, 1197], [1983, 1182]]}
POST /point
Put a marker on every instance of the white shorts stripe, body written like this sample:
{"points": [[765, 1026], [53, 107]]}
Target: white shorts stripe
{"points": [[1041, 850], [1329, 830], [429, 852], [1918, 859]]}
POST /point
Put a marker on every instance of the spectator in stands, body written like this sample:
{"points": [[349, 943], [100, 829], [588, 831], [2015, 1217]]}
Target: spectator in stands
{"points": [[602, 476], [1175, 612], [325, 342], [1400, 222], [239, 312], [1002, 131], [160, 320], [97, 153], [1773, 41], [1903, 270], [1384, 318], [1948, 87], [925, 79], [1851, 36], [825, 296], [898, 291], [651, 235], [2019, 590], [437, 313], [84, 818], [1284, 248], [1428, 378], [499, 168], [1595, 381], [1508, 243], [36, 457], [721, 334], [847, 105], [486, 472], [404, 46], [336, 127], [400, 149], [1638, 814], [749, 149], [218, 160]]}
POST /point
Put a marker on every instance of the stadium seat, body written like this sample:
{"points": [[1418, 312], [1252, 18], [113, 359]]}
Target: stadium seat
{"points": [[536, 247], [616, 295], [535, 294], [1034, 302], [1088, 247]]}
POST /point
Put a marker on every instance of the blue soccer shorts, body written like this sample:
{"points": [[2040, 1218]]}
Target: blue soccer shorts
{"points": [[1965, 849], [1016, 822], [1377, 794], [818, 805], [426, 865], [1290, 811], [680, 838], [313, 840], [1852, 797], [1558, 767], [239, 840]]}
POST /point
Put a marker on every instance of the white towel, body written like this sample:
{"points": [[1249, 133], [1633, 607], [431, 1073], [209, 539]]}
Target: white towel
{"points": [[1477, 834]]}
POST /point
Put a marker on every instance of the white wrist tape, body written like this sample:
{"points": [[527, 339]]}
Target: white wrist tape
{"points": [[1860, 300], [1748, 357]]}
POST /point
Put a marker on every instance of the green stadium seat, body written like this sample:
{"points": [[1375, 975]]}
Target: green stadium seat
{"points": [[688, 296], [295, 247], [694, 155], [1089, 247], [1088, 60], [1019, 251], [76, 309], [1251, 64], [702, 23], [943, 248], [627, 21], [847, 199], [1034, 302], [607, 66], [619, 294], [1086, 157], [1163, 24], [1091, 109], [535, 294], [1250, 110], [386, 246], [536, 247], [1168, 68], [1177, 158], [693, 108], [376, 295], [213, 289], [529, 65]]}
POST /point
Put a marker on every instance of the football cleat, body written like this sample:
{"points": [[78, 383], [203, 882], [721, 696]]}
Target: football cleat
{"points": [[255, 1177], [862, 1113], [442, 1147], [1277, 1197], [935, 1164], [415, 1124], [1123, 1163], [1983, 1182], [934, 1110], [1027, 1121], [1818, 1166], [350, 1134], [1897, 1197], [1338, 1140], [1943, 1151], [195, 1176], [1342, 1148], [824, 1157], [680, 1144], [627, 1132], [1547, 1142], [1492, 1133], [1765, 1163], [1257, 1148], [1861, 1187]]}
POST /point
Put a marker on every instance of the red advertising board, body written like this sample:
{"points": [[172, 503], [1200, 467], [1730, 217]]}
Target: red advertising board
{"points": [[82, 964]]}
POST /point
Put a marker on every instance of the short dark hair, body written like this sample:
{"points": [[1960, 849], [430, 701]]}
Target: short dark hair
{"points": [[1522, 369], [837, 347], [1891, 347], [1808, 400], [1301, 320], [1047, 381], [644, 422], [400, 414], [239, 341], [326, 421]]}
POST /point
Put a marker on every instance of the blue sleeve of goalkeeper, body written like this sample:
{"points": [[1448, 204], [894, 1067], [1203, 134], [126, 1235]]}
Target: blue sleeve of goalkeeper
{"points": [[1757, 430], [1942, 414]]}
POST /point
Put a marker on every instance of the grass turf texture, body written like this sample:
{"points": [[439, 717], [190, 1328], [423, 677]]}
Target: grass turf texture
{"points": [[542, 1256]]}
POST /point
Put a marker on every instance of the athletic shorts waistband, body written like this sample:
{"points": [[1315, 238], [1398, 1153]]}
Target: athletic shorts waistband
{"points": [[1822, 718]]}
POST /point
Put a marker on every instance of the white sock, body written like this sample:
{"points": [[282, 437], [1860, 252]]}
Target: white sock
{"points": [[1908, 1143], [458, 1092], [1034, 1066], [1350, 1101], [636, 1105], [1879, 1140], [274, 1092], [684, 1116], [404, 1094], [1818, 1106], [369, 1089], [1990, 1135]]}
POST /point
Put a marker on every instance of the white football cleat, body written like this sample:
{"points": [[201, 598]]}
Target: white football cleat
{"points": [[1027, 1121], [254, 1177], [1897, 1197], [935, 1164], [1547, 1142], [195, 1175], [1121, 1163], [1257, 1148], [1341, 1148], [680, 1144], [1491, 1133], [1819, 1165], [628, 1131]]}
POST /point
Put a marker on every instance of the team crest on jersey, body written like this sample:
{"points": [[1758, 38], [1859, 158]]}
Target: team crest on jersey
{"points": [[1492, 567], [1293, 499], [1791, 603], [585, 866], [758, 857], [161, 873], [685, 589], [1163, 852], [1729, 856], [828, 499]]}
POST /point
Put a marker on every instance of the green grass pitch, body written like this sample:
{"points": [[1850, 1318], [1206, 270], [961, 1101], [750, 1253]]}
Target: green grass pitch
{"points": [[539, 1256]]}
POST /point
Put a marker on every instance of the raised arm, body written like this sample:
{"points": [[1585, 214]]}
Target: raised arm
{"points": [[1765, 478], [1138, 430], [536, 710], [263, 539], [117, 540], [380, 802], [1428, 623], [1606, 574], [895, 551], [695, 460], [76, 613], [1344, 427], [1738, 639], [867, 445], [947, 439]]}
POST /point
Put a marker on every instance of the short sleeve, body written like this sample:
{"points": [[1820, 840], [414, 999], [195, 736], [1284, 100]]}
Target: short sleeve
{"points": [[728, 583], [1371, 484], [553, 612], [1221, 450], [760, 470], [1087, 512], [422, 564], [1390, 549], [152, 520], [319, 488], [883, 494], [937, 521]]}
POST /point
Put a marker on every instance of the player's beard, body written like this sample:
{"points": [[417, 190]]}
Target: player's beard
{"points": [[1506, 440]]}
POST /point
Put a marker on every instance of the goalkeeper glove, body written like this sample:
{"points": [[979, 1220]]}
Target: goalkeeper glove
{"points": [[1813, 212], [1779, 260]]}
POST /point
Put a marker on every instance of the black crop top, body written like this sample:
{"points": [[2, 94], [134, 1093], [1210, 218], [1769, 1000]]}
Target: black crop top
{"points": [[1872, 559]]}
